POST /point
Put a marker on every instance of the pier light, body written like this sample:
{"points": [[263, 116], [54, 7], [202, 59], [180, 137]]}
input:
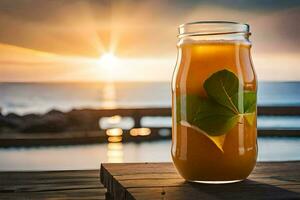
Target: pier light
{"points": [[140, 131], [114, 139], [114, 132]]}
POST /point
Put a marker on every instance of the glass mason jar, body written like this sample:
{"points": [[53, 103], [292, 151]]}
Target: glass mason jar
{"points": [[214, 103]]}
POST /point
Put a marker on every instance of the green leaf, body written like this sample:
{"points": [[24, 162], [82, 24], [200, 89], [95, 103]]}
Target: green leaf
{"points": [[226, 103], [213, 118], [249, 101], [191, 104], [217, 140], [249, 106], [250, 117], [223, 87]]}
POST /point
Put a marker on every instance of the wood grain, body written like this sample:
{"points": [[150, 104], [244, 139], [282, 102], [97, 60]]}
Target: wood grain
{"points": [[276, 180], [51, 185], [269, 180]]}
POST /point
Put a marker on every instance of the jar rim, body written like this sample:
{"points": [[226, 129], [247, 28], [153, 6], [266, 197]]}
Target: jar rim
{"points": [[199, 28]]}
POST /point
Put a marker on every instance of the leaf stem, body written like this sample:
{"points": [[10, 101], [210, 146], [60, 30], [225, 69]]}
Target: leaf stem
{"points": [[235, 110]]}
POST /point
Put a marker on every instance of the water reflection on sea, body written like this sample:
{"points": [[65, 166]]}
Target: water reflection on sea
{"points": [[115, 152], [24, 98], [28, 98], [90, 156], [115, 146]]}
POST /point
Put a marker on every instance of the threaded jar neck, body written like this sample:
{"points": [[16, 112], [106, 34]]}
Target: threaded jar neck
{"points": [[214, 30]]}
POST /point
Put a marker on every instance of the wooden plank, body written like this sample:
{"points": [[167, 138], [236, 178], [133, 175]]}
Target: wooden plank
{"points": [[51, 185], [269, 180]]}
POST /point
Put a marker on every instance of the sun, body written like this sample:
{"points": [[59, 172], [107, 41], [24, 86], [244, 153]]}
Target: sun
{"points": [[108, 59]]}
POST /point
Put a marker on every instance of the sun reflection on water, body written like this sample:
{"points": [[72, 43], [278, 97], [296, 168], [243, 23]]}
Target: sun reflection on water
{"points": [[115, 152], [109, 95]]}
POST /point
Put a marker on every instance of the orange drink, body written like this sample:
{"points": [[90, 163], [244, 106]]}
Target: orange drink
{"points": [[214, 103]]}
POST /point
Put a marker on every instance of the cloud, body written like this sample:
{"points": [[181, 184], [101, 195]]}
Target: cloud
{"points": [[54, 26], [60, 40], [262, 5], [143, 28]]}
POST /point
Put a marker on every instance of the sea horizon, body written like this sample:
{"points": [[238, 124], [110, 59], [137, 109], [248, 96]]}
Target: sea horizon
{"points": [[125, 81], [41, 97]]}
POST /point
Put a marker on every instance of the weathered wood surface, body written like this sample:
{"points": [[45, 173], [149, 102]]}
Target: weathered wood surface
{"points": [[148, 181], [51, 185]]}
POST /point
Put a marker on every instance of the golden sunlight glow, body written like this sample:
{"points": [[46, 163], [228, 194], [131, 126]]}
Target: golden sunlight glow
{"points": [[114, 132], [99, 41], [114, 139], [114, 119], [115, 152], [115, 146], [108, 59], [140, 132]]}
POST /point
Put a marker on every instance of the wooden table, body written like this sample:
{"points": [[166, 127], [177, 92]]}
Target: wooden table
{"points": [[148, 181], [51, 185]]}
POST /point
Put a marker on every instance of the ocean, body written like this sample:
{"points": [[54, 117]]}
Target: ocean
{"points": [[24, 98], [91, 155]]}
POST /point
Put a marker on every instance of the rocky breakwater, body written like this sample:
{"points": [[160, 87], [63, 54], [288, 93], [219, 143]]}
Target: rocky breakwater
{"points": [[77, 127], [52, 121]]}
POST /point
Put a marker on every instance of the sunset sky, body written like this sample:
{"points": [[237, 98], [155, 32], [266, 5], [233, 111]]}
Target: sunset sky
{"points": [[65, 40]]}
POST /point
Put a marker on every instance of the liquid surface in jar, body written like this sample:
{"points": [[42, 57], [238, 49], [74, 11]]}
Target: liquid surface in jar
{"points": [[210, 157]]}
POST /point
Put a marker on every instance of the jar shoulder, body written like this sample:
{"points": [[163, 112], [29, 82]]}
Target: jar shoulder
{"points": [[195, 65]]}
